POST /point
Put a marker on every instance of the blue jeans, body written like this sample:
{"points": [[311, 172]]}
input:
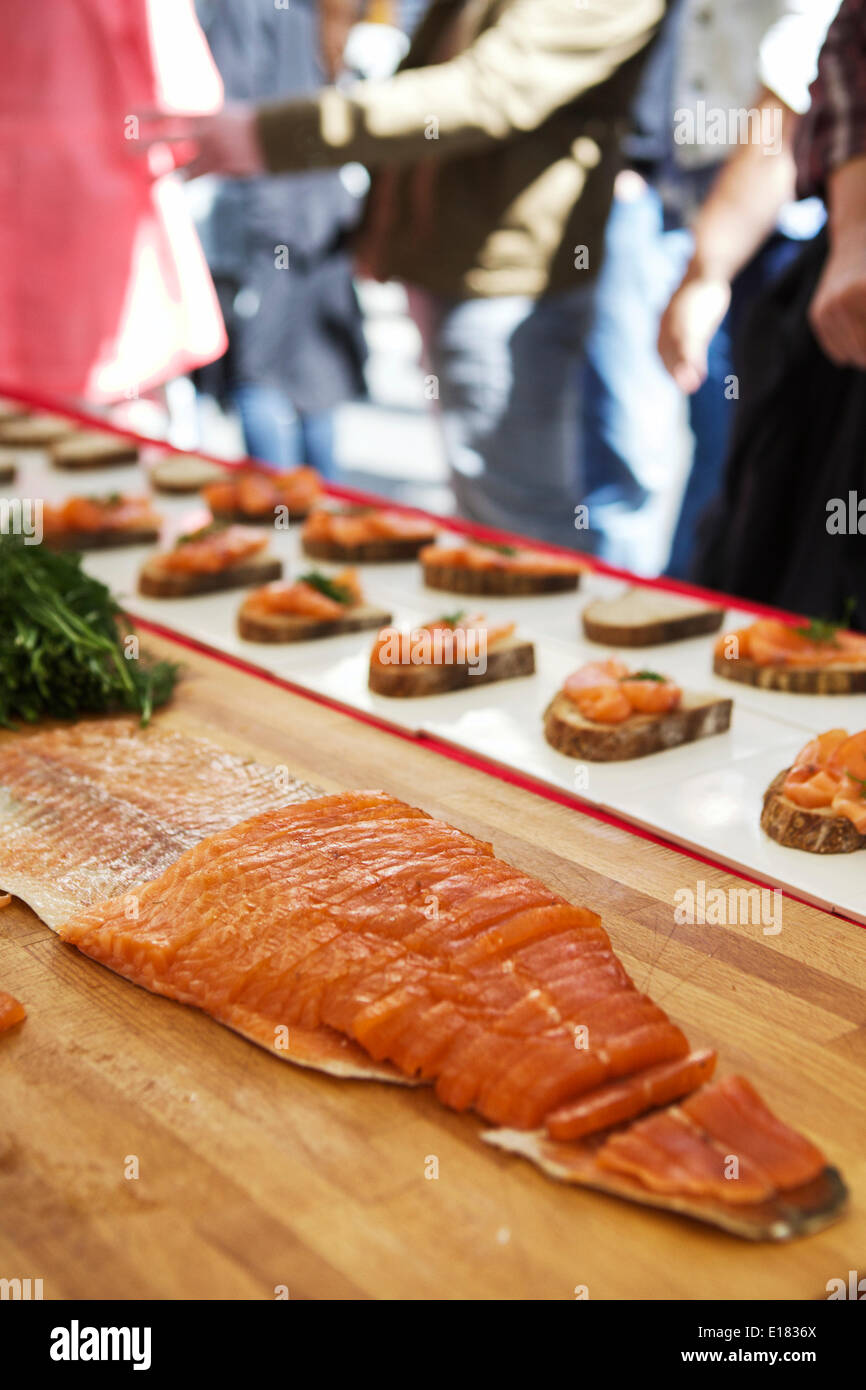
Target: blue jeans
{"points": [[635, 436], [276, 433], [508, 381], [711, 414]]}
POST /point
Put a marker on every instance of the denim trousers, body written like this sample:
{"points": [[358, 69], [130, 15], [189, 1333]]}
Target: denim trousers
{"points": [[275, 432], [506, 377]]}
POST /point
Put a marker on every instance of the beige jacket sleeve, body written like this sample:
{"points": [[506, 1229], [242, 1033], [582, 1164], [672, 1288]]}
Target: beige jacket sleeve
{"points": [[541, 55]]}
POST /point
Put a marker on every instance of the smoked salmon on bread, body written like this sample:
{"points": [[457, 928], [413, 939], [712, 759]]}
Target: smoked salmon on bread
{"points": [[455, 652], [99, 523], [365, 535], [477, 567], [251, 496], [215, 557], [815, 658], [606, 712], [819, 802], [309, 607]]}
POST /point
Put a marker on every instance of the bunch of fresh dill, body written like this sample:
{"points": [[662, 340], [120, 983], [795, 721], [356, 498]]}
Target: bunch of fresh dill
{"points": [[65, 645]]}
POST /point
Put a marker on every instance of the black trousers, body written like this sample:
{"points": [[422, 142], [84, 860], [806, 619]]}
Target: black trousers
{"points": [[798, 452]]}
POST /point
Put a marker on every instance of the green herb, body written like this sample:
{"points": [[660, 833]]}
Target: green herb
{"points": [[452, 619], [213, 528], [329, 587], [62, 643], [647, 676], [823, 630], [861, 781], [500, 549]]}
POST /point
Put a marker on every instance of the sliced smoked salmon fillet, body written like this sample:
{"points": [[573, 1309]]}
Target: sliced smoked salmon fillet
{"points": [[364, 915], [11, 1012]]}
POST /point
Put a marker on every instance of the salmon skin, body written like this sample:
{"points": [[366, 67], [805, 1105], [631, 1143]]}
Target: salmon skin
{"points": [[363, 914], [91, 809]]}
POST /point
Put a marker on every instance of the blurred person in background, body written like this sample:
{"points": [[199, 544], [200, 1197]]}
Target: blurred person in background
{"points": [[494, 150], [790, 528], [104, 292], [721, 71], [277, 248]]}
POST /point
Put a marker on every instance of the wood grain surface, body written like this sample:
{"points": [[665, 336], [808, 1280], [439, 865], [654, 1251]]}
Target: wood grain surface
{"points": [[254, 1175]]}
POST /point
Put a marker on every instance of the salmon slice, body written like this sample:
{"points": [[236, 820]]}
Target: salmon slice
{"points": [[256, 495], [444, 641], [353, 529], [363, 915], [607, 693], [213, 549], [771, 642], [611, 1105], [830, 771], [723, 1142], [668, 1154], [520, 560], [648, 695], [95, 514], [848, 756], [305, 599], [11, 1012], [735, 1115]]}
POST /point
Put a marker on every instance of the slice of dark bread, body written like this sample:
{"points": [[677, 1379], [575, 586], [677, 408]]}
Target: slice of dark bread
{"points": [[461, 579], [294, 627], [818, 829], [35, 431], [698, 716], [103, 540], [379, 551], [513, 657], [797, 680], [236, 517], [647, 617], [92, 449], [180, 474], [155, 581]]}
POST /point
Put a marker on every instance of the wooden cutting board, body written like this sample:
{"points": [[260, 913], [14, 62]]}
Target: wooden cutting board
{"points": [[256, 1177]]}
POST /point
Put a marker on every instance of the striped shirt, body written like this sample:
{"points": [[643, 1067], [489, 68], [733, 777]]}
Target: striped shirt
{"points": [[833, 131]]}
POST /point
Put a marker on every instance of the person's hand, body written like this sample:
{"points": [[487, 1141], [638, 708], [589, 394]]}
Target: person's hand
{"points": [[336, 18], [838, 309], [224, 143], [687, 327]]}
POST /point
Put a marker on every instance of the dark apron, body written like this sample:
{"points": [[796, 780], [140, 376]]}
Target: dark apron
{"points": [[799, 442]]}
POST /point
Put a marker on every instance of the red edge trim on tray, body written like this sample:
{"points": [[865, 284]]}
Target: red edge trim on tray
{"points": [[473, 760]]}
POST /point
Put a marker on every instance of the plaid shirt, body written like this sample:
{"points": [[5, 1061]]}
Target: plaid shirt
{"points": [[834, 129]]}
